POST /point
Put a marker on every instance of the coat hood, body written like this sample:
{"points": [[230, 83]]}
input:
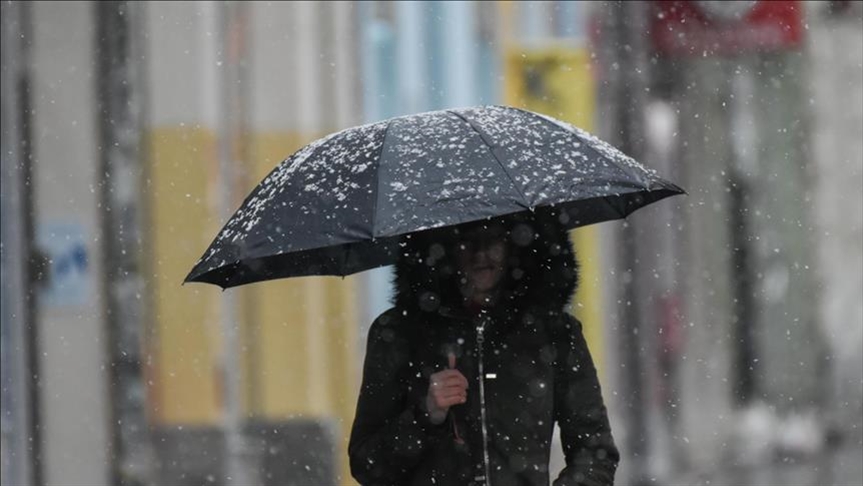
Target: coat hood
{"points": [[541, 271]]}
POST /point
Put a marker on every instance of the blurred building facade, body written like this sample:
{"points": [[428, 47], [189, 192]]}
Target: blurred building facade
{"points": [[729, 298], [131, 132]]}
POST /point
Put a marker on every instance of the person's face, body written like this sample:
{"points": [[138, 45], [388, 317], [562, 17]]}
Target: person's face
{"points": [[481, 254]]}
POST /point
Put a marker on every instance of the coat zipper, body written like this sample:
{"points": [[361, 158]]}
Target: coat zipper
{"points": [[480, 340]]}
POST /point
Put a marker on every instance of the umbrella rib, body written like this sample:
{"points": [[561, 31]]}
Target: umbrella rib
{"points": [[378, 180], [614, 207], [488, 144]]}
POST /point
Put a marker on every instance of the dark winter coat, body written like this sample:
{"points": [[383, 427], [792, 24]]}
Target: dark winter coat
{"points": [[525, 360]]}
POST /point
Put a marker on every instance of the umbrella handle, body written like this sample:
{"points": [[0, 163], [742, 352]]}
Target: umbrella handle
{"points": [[458, 439]]}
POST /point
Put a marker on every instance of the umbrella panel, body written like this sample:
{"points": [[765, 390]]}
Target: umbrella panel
{"points": [[350, 258]]}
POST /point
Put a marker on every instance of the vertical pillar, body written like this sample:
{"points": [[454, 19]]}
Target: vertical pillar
{"points": [[120, 103], [73, 364], [18, 390], [744, 136], [622, 96], [659, 233], [231, 121], [834, 72], [705, 158], [787, 333]]}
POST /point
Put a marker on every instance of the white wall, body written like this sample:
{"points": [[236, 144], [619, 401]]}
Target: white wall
{"points": [[72, 349], [836, 74]]}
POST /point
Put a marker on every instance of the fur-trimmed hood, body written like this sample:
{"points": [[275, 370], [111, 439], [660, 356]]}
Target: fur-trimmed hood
{"points": [[541, 275]]}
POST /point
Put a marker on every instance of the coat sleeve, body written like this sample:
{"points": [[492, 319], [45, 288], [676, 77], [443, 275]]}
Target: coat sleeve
{"points": [[588, 446], [391, 430]]}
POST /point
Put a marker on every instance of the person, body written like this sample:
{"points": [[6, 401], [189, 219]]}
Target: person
{"points": [[465, 377]]}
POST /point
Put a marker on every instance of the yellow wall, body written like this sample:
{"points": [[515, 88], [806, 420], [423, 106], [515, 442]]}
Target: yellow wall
{"points": [[562, 86], [185, 328], [565, 89], [297, 335], [306, 331]]}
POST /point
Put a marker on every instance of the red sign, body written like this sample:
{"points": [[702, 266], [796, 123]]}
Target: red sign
{"points": [[700, 27]]}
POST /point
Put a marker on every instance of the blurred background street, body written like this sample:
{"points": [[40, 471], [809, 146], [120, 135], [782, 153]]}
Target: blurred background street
{"points": [[726, 324]]}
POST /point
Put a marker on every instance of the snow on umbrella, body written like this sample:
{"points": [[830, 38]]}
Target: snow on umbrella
{"points": [[340, 204]]}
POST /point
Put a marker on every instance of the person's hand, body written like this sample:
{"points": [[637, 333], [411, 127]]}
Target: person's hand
{"points": [[446, 388]]}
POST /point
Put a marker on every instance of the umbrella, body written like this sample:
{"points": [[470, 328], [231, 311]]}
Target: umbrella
{"points": [[340, 204]]}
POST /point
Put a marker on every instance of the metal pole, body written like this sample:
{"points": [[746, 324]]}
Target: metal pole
{"points": [[743, 129], [19, 435]]}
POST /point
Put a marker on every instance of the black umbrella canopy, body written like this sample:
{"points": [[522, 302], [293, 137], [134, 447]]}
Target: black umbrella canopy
{"points": [[340, 204]]}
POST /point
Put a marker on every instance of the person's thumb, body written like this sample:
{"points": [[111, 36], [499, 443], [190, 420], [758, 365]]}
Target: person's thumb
{"points": [[451, 358]]}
